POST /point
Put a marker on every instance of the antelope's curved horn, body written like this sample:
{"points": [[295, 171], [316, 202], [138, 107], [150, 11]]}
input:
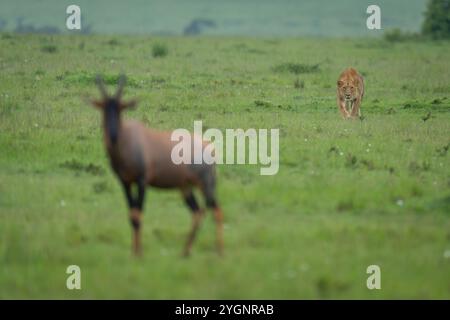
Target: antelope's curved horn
{"points": [[101, 86], [121, 84]]}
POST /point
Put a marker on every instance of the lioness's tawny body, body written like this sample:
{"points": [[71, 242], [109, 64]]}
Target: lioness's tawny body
{"points": [[350, 91]]}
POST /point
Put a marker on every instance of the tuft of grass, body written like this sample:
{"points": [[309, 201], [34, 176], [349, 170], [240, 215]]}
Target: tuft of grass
{"points": [[159, 50], [88, 78], [442, 151], [49, 48], [8, 107], [79, 167], [101, 187], [264, 104], [296, 68], [299, 84]]}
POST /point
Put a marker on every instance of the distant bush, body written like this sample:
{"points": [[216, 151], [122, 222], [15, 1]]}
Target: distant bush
{"points": [[2, 23], [296, 68], [7, 36], [29, 28], [264, 104], [113, 42], [197, 26], [397, 35], [78, 167], [159, 50], [437, 19]]}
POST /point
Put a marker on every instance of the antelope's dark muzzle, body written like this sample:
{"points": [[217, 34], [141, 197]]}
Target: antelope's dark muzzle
{"points": [[112, 122]]}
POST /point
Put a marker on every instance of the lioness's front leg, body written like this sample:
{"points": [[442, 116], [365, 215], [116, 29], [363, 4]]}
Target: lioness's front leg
{"points": [[343, 109], [356, 111]]}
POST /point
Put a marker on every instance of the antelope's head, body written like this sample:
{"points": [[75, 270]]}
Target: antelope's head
{"points": [[111, 107]]}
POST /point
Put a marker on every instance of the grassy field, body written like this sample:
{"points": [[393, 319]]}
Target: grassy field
{"points": [[348, 193]]}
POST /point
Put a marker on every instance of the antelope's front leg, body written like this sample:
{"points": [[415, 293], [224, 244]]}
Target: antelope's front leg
{"points": [[135, 220], [197, 215], [196, 221], [135, 205]]}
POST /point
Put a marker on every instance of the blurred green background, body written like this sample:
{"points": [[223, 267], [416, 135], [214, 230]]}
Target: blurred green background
{"points": [[213, 17]]}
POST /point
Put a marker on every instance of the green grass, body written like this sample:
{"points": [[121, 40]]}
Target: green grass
{"points": [[348, 193]]}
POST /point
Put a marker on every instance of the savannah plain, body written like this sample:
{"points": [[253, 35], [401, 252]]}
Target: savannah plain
{"points": [[348, 194]]}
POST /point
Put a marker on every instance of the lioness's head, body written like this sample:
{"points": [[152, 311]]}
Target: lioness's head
{"points": [[348, 89]]}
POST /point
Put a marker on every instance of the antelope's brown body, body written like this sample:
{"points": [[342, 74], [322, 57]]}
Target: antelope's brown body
{"points": [[141, 152], [141, 157]]}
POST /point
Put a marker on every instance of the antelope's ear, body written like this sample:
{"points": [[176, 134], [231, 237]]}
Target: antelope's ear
{"points": [[340, 83], [99, 104], [128, 104]]}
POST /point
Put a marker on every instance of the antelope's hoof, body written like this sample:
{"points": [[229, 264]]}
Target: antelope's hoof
{"points": [[137, 253], [186, 252]]}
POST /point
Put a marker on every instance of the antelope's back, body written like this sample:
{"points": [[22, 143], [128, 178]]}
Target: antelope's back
{"points": [[161, 153]]}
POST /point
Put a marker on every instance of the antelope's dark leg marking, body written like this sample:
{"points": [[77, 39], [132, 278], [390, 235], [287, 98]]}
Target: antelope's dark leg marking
{"points": [[128, 195], [135, 204], [211, 203], [192, 202], [141, 194]]}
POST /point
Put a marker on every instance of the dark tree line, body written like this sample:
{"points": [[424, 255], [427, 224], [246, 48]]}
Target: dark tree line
{"points": [[437, 19]]}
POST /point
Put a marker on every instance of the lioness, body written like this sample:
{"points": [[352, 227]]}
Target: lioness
{"points": [[350, 91]]}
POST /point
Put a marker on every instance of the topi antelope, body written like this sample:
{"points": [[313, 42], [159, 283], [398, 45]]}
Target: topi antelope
{"points": [[141, 157]]}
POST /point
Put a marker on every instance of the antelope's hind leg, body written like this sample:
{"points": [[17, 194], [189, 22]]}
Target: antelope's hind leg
{"points": [[209, 191], [218, 217], [197, 215]]}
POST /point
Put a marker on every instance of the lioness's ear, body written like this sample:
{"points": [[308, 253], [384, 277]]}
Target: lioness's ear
{"points": [[340, 83], [128, 104]]}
